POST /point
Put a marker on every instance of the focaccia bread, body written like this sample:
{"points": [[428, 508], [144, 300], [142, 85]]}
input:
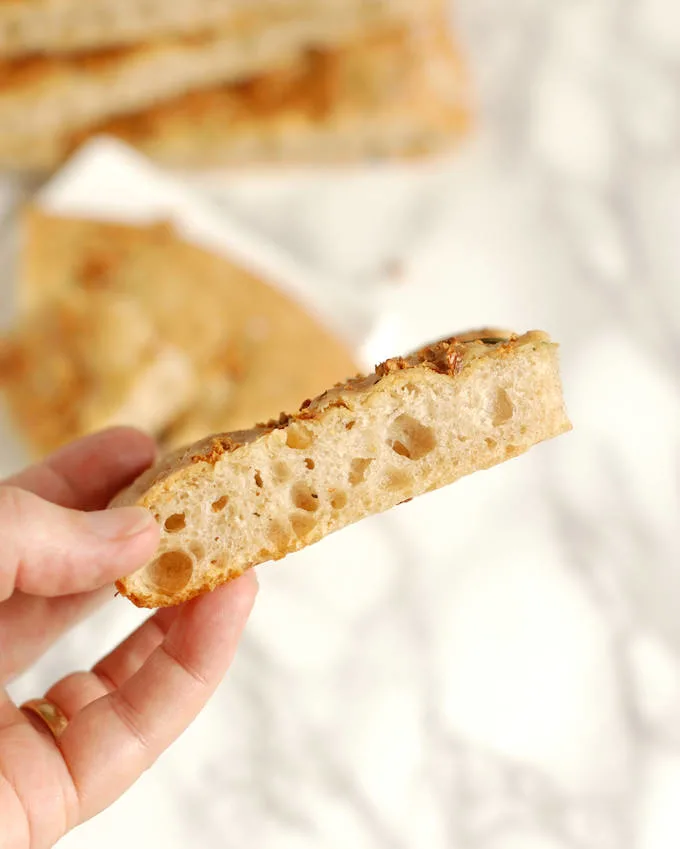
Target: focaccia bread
{"points": [[417, 423], [60, 94], [400, 94], [90, 361], [248, 341], [64, 26]]}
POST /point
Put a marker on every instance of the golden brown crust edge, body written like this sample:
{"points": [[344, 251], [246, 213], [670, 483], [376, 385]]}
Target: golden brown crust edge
{"points": [[449, 357]]}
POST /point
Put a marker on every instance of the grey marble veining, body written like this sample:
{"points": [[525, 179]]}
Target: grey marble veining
{"points": [[495, 666]]}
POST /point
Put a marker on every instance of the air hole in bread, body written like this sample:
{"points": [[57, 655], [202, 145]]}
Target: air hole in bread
{"points": [[170, 572], [278, 536], [397, 479], [298, 436], [304, 498], [503, 408], [411, 388], [220, 504], [411, 439], [358, 470], [491, 443], [511, 451], [350, 425], [197, 550], [310, 463], [523, 429], [302, 524], [264, 554], [281, 472], [258, 480], [174, 523], [338, 500]]}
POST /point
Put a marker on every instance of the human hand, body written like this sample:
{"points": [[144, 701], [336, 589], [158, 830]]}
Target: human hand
{"points": [[56, 564]]}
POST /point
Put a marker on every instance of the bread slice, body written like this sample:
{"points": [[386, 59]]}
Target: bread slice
{"points": [[90, 361], [249, 342], [400, 94], [58, 94], [64, 26], [415, 424]]}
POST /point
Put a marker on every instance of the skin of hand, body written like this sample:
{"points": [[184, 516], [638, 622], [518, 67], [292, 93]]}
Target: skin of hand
{"points": [[60, 552]]}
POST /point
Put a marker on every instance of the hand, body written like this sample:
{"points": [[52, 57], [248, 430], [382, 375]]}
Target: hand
{"points": [[56, 564]]}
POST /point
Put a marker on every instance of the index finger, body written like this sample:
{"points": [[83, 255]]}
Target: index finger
{"points": [[86, 474], [113, 740]]}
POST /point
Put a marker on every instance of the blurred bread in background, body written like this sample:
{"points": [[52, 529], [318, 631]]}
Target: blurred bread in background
{"points": [[65, 26], [285, 82], [59, 93], [133, 325]]}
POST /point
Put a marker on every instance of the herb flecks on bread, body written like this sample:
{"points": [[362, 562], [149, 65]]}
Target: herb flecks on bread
{"points": [[417, 423]]}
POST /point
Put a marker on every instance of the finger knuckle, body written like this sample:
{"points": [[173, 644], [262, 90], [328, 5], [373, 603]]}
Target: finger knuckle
{"points": [[130, 718]]}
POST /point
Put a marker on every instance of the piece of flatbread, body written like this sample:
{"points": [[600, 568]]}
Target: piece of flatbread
{"points": [[59, 94], [90, 361], [247, 341], [415, 424], [65, 26], [400, 94]]}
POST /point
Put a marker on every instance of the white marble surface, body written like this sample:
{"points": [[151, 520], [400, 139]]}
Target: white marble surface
{"points": [[495, 666]]}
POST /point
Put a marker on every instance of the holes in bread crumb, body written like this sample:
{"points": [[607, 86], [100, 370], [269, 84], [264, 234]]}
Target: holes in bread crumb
{"points": [[358, 469], [338, 500], [397, 480], [197, 550], [304, 498], [503, 408], [302, 524], [279, 537], [176, 522], [523, 429], [220, 504], [281, 472], [411, 389], [258, 480], [264, 554], [411, 439], [512, 451], [298, 436], [310, 463], [171, 572], [491, 443], [350, 425]]}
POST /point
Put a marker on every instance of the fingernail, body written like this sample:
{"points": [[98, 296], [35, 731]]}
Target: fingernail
{"points": [[119, 523]]}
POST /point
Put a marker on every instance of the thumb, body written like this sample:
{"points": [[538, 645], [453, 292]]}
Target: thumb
{"points": [[49, 551]]}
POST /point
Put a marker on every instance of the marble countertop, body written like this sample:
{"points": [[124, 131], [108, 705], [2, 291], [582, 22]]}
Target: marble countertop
{"points": [[497, 665]]}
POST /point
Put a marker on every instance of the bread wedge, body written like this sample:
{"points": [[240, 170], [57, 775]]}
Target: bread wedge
{"points": [[90, 361], [59, 94], [249, 343], [417, 423], [400, 94], [65, 26]]}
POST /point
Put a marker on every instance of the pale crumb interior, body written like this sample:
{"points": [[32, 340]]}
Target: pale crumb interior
{"points": [[297, 484]]}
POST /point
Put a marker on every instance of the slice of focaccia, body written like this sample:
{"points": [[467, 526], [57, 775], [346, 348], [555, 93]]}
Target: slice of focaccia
{"points": [[398, 94], [60, 93], [64, 26], [86, 362], [417, 423]]}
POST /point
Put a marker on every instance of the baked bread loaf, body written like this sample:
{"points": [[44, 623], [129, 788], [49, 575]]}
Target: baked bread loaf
{"points": [[417, 423], [249, 343], [60, 94], [90, 361], [400, 94], [64, 26]]}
